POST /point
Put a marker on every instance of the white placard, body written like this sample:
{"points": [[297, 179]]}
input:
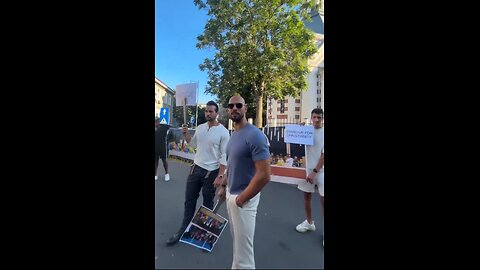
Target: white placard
{"points": [[299, 134], [189, 91]]}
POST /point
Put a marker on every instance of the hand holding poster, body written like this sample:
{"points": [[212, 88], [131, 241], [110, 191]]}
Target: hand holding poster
{"points": [[299, 134]]}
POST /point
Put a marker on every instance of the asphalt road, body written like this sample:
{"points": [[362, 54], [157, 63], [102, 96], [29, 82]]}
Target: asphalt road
{"points": [[277, 244]]}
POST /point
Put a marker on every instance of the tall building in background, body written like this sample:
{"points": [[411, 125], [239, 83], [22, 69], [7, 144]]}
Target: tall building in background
{"points": [[296, 110], [164, 97]]}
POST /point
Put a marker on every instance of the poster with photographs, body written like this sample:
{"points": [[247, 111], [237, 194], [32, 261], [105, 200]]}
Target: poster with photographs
{"points": [[204, 229]]}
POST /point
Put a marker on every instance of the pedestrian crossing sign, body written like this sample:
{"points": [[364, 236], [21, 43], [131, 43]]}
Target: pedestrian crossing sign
{"points": [[164, 116]]}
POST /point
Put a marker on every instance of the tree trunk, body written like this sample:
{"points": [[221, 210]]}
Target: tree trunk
{"points": [[259, 117]]}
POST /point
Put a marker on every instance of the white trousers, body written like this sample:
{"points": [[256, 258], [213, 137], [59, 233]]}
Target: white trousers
{"points": [[242, 227]]}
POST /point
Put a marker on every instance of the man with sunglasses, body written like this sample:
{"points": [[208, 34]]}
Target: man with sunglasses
{"points": [[208, 167], [248, 162]]}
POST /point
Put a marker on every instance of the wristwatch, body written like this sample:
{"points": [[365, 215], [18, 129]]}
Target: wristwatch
{"points": [[315, 170]]}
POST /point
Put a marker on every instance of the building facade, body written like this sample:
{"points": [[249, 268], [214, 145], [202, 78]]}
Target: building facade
{"points": [[164, 98], [293, 110]]}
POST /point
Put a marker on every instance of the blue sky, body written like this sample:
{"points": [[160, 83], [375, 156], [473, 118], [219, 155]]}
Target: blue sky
{"points": [[177, 25]]}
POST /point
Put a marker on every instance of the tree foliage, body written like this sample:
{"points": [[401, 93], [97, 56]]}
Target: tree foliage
{"points": [[261, 49], [191, 112]]}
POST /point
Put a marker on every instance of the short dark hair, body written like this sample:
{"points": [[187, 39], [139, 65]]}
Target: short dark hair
{"points": [[317, 111], [213, 103]]}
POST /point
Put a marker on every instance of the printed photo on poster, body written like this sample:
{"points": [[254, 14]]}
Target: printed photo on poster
{"points": [[204, 229]]}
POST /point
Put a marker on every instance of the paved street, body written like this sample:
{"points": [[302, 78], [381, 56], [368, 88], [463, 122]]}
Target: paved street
{"points": [[277, 244]]}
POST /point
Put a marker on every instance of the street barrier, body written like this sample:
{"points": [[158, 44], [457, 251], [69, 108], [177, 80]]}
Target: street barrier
{"points": [[280, 174]]}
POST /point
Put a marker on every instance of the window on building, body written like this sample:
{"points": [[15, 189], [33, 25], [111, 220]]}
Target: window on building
{"points": [[297, 109], [297, 116], [297, 100]]}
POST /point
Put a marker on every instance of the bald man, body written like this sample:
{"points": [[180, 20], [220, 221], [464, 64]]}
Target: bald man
{"points": [[248, 171]]}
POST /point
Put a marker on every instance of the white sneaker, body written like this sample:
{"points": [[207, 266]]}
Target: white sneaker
{"points": [[156, 177], [167, 177], [305, 226]]}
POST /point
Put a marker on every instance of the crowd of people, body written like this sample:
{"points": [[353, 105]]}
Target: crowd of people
{"points": [[200, 237], [209, 223], [287, 160]]}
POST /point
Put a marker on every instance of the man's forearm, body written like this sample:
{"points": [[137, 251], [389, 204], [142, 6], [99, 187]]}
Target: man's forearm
{"points": [[221, 170], [187, 137], [319, 163], [259, 180]]}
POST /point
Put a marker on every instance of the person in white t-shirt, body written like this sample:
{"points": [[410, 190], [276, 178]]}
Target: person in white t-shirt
{"points": [[208, 167], [289, 161], [315, 169]]}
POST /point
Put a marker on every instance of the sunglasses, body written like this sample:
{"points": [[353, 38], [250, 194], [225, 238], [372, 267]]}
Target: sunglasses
{"points": [[238, 105]]}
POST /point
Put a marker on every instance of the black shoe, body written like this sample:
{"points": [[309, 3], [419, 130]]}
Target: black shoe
{"points": [[174, 239]]}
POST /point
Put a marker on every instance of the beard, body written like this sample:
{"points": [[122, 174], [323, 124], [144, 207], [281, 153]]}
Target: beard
{"points": [[237, 117], [209, 118]]}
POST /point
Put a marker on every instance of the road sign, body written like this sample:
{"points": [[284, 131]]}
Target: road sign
{"points": [[165, 116]]}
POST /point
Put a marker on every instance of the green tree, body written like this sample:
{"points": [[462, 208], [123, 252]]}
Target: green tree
{"points": [[201, 116], [262, 48], [191, 111], [178, 115], [223, 119]]}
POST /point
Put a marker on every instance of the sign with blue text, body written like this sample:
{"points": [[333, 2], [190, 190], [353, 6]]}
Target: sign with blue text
{"points": [[299, 134]]}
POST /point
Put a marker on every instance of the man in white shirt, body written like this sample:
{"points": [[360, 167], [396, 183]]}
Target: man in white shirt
{"points": [[208, 167], [315, 168]]}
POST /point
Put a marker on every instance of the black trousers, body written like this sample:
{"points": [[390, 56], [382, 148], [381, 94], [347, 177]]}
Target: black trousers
{"points": [[199, 179]]}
